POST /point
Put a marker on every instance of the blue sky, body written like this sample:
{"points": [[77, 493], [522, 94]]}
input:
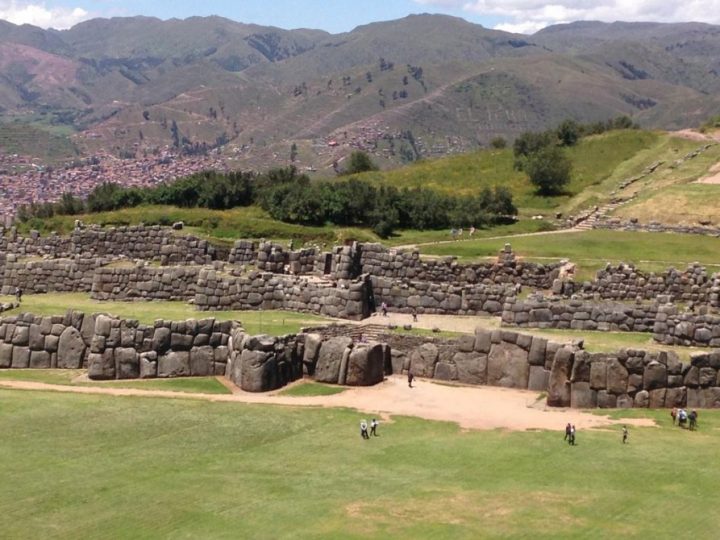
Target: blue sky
{"points": [[524, 16]]}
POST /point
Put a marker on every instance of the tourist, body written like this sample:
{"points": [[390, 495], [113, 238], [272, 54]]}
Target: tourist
{"points": [[383, 309], [567, 432], [18, 294], [572, 435], [373, 427], [414, 314], [471, 231], [411, 378], [625, 434], [363, 429], [673, 414], [693, 419]]}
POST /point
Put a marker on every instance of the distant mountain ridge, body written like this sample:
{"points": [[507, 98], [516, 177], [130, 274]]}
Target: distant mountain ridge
{"points": [[418, 86]]}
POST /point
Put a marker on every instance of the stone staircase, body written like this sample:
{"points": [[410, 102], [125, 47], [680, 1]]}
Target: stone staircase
{"points": [[589, 222]]}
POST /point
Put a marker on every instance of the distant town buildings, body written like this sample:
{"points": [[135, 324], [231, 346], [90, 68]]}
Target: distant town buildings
{"points": [[23, 182]]}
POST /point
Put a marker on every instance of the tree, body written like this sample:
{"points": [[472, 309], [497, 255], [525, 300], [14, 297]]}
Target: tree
{"points": [[498, 143], [549, 169], [293, 152], [360, 162], [568, 133]]}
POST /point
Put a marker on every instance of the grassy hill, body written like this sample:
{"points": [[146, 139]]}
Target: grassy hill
{"points": [[602, 165]]}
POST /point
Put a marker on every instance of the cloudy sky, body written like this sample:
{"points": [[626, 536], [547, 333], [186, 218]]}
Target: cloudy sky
{"points": [[524, 16]]}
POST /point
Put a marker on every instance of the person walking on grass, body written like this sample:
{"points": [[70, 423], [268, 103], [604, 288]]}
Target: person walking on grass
{"points": [[373, 427], [18, 294], [363, 429], [411, 378], [572, 435], [625, 434], [567, 432]]}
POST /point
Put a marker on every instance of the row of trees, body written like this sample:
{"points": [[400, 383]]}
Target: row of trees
{"points": [[358, 203], [293, 198]]}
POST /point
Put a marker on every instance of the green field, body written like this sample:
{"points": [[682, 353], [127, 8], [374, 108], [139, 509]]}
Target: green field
{"points": [[202, 385], [307, 388], [254, 322], [77, 466], [591, 250]]}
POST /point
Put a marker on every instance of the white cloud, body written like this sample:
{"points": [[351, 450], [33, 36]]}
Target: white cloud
{"points": [[39, 14], [527, 16]]}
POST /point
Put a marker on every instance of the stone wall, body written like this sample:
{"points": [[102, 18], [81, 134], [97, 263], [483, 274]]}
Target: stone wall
{"points": [[134, 242], [440, 297], [48, 275], [263, 290], [634, 378], [609, 223], [262, 363], [152, 243], [124, 349], [625, 282], [380, 261], [30, 341], [143, 282], [543, 312], [668, 323]]}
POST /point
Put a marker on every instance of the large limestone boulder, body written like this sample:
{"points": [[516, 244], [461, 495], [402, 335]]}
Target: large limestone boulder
{"points": [[258, 372], [508, 366], [102, 365], [471, 367], [327, 367], [201, 361], [445, 371], [656, 398], [598, 375], [21, 357], [617, 377], [538, 378], [366, 365], [583, 396], [654, 376], [71, 349], [5, 355], [483, 340], [536, 355], [559, 384], [39, 359], [161, 340], [174, 364], [642, 399], [126, 362], [582, 364], [676, 397], [423, 360]]}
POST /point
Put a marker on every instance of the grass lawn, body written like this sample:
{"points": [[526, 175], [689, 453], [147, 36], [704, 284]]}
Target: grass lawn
{"points": [[203, 385], [77, 466], [254, 322], [591, 250], [308, 388]]}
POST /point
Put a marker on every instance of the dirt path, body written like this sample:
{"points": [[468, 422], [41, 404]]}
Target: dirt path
{"points": [[470, 407]]}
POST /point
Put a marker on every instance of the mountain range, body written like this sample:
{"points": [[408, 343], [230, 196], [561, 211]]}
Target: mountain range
{"points": [[423, 85]]}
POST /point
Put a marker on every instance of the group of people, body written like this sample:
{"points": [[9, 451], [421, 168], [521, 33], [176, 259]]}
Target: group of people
{"points": [[683, 418], [570, 434], [364, 428], [459, 232]]}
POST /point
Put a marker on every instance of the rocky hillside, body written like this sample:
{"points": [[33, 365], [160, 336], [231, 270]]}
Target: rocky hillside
{"points": [[419, 86]]}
